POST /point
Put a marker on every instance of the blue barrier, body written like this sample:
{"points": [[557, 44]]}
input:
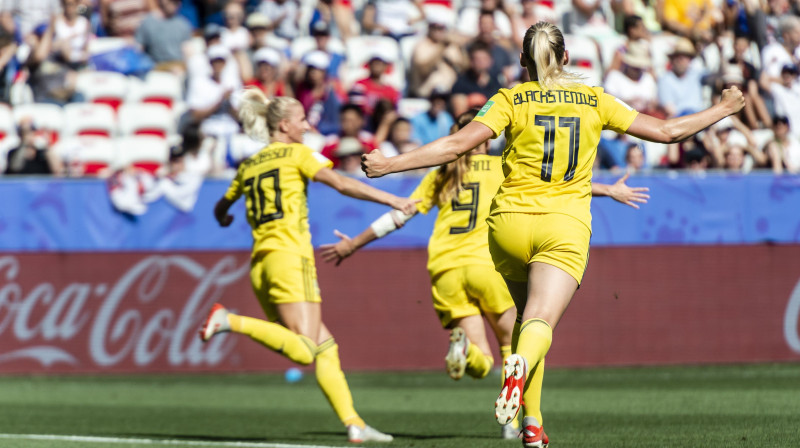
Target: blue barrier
{"points": [[76, 215]]}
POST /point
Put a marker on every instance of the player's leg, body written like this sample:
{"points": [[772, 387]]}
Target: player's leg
{"points": [[469, 351], [333, 383], [274, 277]]}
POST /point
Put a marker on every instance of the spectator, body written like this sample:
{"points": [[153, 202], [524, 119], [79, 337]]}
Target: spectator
{"points": [[634, 84], [393, 18], [680, 90], [162, 36], [320, 95], [321, 32], [30, 14], [199, 65], [348, 156], [400, 132], [586, 14], [209, 98], [787, 97], [505, 67], [692, 19], [476, 85], [635, 31], [234, 35], [634, 158], [32, 156], [51, 80], [8, 50], [755, 113], [779, 54], [784, 150], [435, 60], [435, 122], [532, 11], [121, 18], [338, 14], [259, 26], [72, 34], [267, 74], [468, 19], [283, 14], [368, 91], [352, 125]]}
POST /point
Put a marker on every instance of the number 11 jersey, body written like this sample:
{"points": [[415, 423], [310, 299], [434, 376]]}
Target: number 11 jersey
{"points": [[274, 182], [551, 144]]}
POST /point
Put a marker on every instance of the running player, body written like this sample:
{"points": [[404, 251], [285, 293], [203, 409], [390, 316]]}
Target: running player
{"points": [[540, 219], [282, 272], [464, 283]]}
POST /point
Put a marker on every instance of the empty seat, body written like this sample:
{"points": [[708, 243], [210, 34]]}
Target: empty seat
{"points": [[89, 119], [146, 119], [103, 87], [142, 151]]}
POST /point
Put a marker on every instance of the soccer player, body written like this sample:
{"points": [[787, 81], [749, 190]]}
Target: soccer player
{"points": [[282, 273], [464, 283], [540, 219]]}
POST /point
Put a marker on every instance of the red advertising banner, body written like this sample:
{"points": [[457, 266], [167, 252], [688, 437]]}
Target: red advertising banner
{"points": [[140, 312]]}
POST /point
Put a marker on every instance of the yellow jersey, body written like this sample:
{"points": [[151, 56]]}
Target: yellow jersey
{"points": [[274, 182], [551, 143], [460, 235]]}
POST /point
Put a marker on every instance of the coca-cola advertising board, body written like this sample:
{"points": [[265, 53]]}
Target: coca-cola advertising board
{"points": [[140, 312]]}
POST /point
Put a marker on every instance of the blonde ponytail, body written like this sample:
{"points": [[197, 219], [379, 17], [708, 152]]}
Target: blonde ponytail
{"points": [[543, 46], [260, 116], [450, 177]]}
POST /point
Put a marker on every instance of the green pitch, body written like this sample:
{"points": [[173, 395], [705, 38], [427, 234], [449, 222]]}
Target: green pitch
{"points": [[727, 406]]}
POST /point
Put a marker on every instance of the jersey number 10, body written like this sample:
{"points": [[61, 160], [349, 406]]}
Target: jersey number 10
{"points": [[549, 124], [258, 197]]}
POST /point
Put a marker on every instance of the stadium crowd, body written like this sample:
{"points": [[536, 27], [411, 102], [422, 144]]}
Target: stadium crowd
{"points": [[94, 87]]}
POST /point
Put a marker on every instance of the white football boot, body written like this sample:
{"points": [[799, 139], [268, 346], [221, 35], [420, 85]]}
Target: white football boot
{"points": [[216, 322], [456, 358], [357, 434]]}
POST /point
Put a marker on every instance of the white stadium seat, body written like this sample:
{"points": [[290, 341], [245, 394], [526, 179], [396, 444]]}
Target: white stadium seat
{"points": [[163, 88], [359, 51], [584, 58], [409, 107], [89, 119], [8, 127], [87, 156], [146, 119], [145, 152], [103, 87]]}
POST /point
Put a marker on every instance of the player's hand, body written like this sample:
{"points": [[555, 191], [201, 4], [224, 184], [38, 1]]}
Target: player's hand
{"points": [[733, 98], [624, 194], [225, 220], [339, 251], [405, 205], [375, 164]]}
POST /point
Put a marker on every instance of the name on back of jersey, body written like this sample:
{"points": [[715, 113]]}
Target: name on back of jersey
{"points": [[555, 96]]}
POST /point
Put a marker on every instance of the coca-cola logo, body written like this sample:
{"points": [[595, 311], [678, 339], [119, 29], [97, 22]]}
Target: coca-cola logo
{"points": [[126, 322], [791, 320]]}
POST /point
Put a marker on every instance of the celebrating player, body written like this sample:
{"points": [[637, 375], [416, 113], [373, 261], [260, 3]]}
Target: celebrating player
{"points": [[540, 219], [282, 273], [464, 283]]}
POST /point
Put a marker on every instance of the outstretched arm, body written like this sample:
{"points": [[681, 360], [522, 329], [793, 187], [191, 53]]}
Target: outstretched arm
{"points": [[621, 192], [678, 129], [438, 152], [359, 190], [347, 246]]}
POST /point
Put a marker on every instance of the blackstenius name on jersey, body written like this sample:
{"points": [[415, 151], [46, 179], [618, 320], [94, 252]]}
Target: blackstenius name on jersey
{"points": [[555, 96]]}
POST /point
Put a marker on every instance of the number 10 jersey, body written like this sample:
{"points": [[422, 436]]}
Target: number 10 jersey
{"points": [[274, 182], [551, 144]]}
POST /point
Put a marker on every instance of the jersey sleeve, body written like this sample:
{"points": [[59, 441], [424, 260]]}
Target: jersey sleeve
{"points": [[310, 161], [235, 189], [497, 113], [424, 192], [615, 114]]}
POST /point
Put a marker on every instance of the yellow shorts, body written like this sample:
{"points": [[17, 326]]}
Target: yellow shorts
{"points": [[469, 291], [519, 239], [283, 277]]}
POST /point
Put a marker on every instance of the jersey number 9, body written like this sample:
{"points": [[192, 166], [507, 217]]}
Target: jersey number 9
{"points": [[471, 206]]}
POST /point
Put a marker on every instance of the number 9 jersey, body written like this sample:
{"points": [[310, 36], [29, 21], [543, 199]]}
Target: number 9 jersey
{"points": [[274, 182], [551, 143], [460, 234]]}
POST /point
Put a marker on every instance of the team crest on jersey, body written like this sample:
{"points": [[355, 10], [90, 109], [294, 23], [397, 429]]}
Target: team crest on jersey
{"points": [[485, 108]]}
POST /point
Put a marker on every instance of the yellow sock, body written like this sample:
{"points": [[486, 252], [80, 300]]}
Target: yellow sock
{"points": [[479, 364], [334, 385], [535, 337], [296, 347]]}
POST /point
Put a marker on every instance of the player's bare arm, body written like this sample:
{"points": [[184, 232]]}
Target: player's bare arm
{"points": [[621, 192], [359, 190], [438, 152]]}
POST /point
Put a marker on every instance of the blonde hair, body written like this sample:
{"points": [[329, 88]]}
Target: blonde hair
{"points": [[450, 177], [543, 45], [260, 116]]}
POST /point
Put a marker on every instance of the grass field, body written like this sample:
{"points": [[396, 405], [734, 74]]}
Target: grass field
{"points": [[719, 406]]}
